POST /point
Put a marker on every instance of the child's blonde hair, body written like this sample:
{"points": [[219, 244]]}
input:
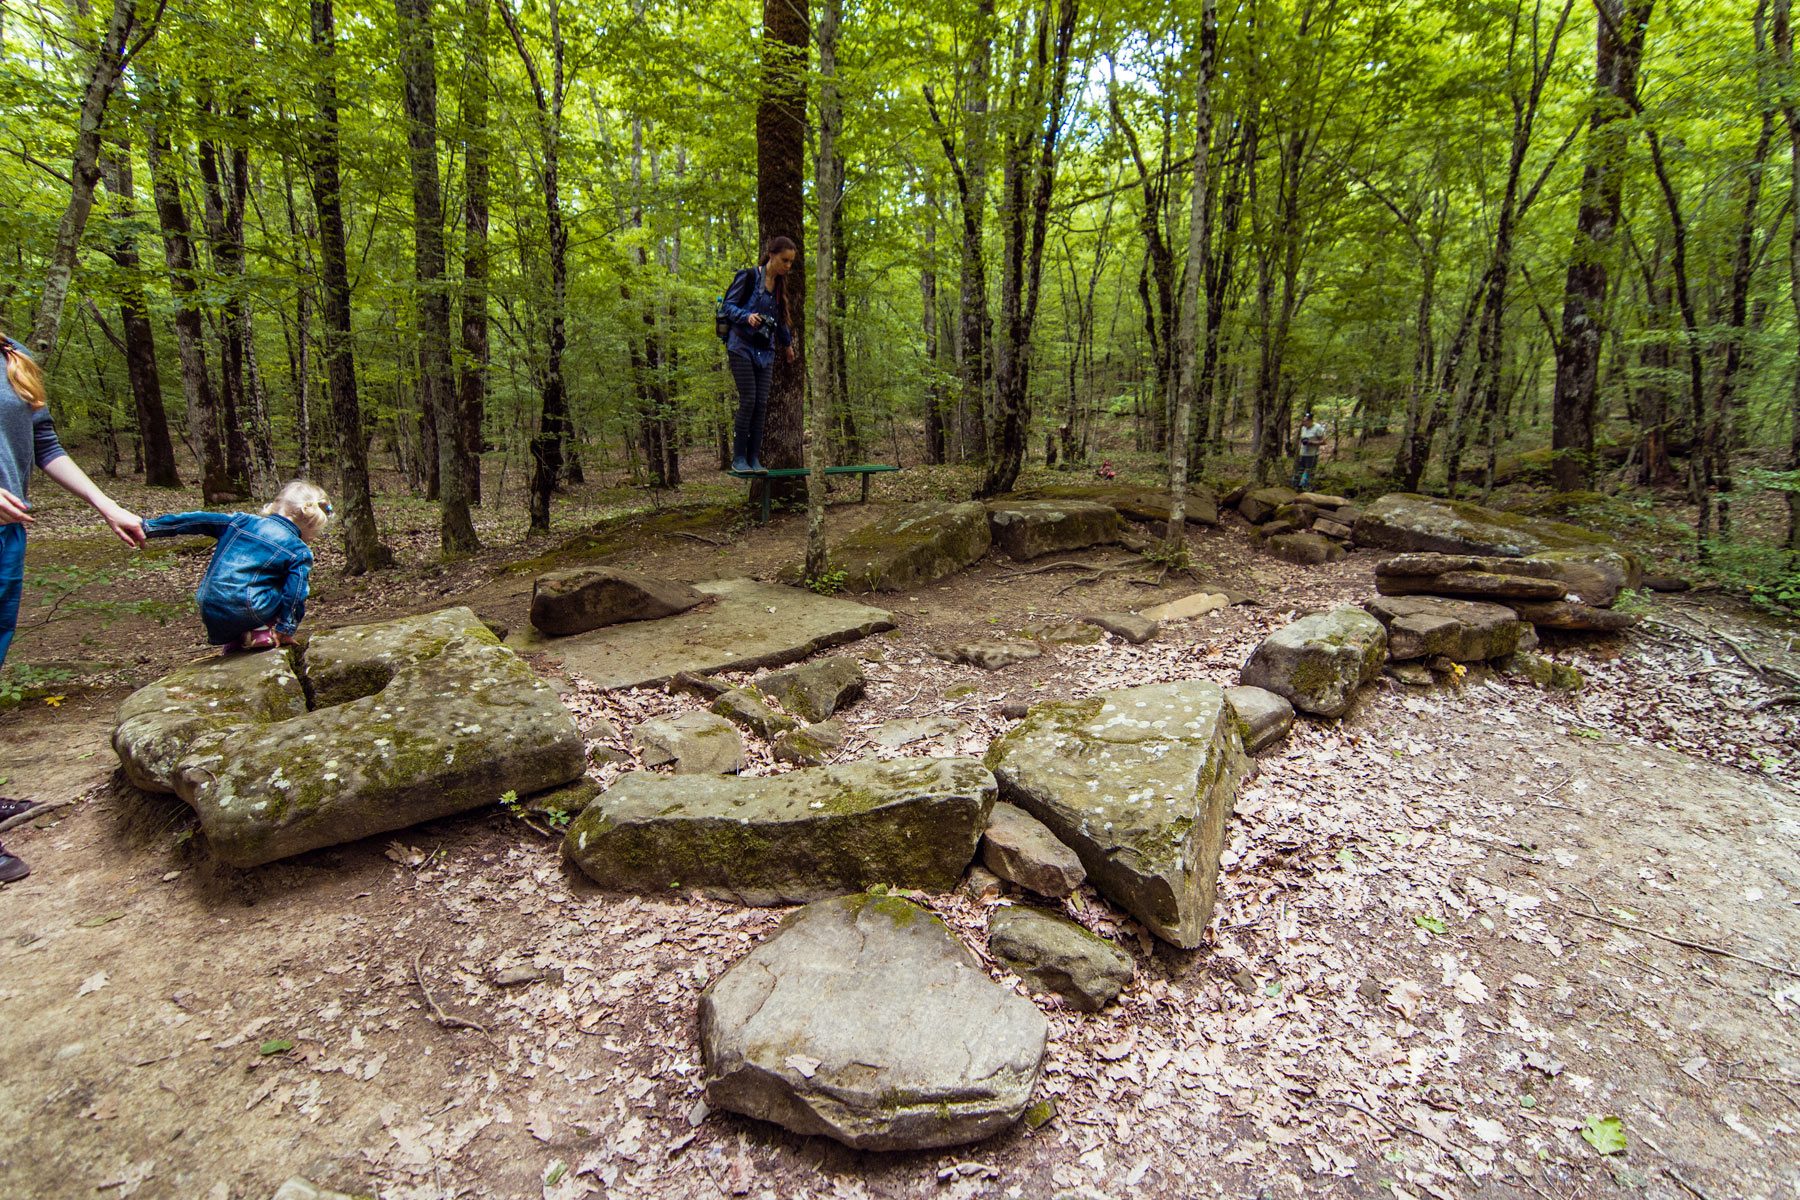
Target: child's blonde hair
{"points": [[303, 503], [26, 379]]}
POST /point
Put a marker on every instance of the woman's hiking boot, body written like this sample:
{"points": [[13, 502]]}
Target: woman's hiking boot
{"points": [[12, 867]]}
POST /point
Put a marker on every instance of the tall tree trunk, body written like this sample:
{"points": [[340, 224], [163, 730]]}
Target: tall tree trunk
{"points": [[139, 335], [970, 170], [363, 550], [1030, 178], [781, 212], [472, 384], [553, 423], [418, 65], [1198, 251], [1159, 306], [826, 189], [1782, 35], [1618, 47], [106, 66], [928, 289], [178, 253], [225, 232]]}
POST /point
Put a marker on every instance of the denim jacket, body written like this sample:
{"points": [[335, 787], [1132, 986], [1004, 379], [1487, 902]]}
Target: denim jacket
{"points": [[258, 573], [755, 344]]}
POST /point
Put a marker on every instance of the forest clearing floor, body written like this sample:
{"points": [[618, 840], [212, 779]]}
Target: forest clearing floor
{"points": [[1443, 936]]}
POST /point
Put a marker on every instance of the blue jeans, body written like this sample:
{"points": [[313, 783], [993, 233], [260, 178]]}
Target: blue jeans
{"points": [[12, 582]]}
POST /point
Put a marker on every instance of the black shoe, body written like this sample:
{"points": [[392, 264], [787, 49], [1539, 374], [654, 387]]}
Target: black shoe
{"points": [[12, 808], [12, 869]]}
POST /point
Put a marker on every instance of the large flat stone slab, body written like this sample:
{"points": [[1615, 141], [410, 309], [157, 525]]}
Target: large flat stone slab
{"points": [[1459, 630], [359, 660], [162, 723], [584, 598], [787, 839], [865, 1020], [1027, 529], [912, 546], [752, 625], [1133, 503], [1412, 523], [447, 734], [1139, 783]]}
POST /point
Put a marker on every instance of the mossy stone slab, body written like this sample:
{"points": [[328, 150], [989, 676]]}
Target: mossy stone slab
{"points": [[1319, 662], [448, 734], [1460, 630], [162, 723], [1408, 522], [1027, 529], [787, 839], [359, 660], [752, 625], [1139, 783], [1054, 954], [864, 1019], [1201, 507], [912, 546]]}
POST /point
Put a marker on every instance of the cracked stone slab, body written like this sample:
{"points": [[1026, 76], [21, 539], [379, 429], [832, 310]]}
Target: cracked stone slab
{"points": [[865, 1020], [1139, 783], [752, 625], [163, 722]]}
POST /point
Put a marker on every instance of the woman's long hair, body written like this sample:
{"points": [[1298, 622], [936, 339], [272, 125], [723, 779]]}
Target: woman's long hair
{"points": [[771, 248], [24, 375]]}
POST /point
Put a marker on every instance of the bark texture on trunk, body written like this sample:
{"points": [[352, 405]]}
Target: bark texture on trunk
{"points": [[1782, 35], [1618, 48], [781, 212], [157, 448], [472, 381], [363, 549], [826, 184], [1198, 250]]}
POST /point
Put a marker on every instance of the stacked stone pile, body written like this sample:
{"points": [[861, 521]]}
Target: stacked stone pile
{"points": [[1308, 528]]}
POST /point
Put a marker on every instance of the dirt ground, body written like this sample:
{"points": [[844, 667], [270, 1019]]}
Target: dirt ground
{"points": [[1455, 930]]}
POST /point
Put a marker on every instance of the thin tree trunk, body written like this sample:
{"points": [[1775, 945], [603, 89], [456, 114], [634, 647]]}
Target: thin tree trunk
{"points": [[825, 188], [226, 237], [178, 253], [547, 442], [1198, 250], [139, 335], [472, 385], [446, 456], [1782, 35], [928, 288], [363, 550], [1619, 46]]}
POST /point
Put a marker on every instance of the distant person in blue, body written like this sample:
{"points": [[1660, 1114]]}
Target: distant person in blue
{"points": [[757, 308], [254, 592], [28, 439]]}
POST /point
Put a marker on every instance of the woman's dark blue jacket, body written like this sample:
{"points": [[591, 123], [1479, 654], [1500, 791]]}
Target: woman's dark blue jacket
{"points": [[758, 345]]}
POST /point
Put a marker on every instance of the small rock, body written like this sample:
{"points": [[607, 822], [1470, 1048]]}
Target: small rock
{"points": [[1321, 500], [1276, 528], [1411, 673], [1189, 607], [982, 884], [1266, 716], [1063, 633], [891, 735], [564, 801], [1336, 530], [585, 598], [1542, 671], [812, 745], [744, 708], [703, 686], [1041, 1113], [696, 743], [1259, 505], [1371, 994], [1133, 627], [908, 1044], [518, 976], [1305, 549], [815, 690], [988, 655], [1017, 846], [1054, 954], [1015, 708], [1666, 583]]}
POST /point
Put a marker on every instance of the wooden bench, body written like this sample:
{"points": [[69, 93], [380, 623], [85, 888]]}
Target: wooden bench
{"points": [[863, 469]]}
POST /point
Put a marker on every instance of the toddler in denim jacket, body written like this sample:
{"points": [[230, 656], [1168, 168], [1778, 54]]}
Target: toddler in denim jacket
{"points": [[254, 592]]}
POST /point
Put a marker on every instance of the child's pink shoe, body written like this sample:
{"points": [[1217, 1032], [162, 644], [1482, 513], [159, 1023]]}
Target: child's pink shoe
{"points": [[258, 639]]}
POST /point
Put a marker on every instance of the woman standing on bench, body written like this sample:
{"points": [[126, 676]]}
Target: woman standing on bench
{"points": [[757, 307]]}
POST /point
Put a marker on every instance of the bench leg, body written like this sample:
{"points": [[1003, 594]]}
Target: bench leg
{"points": [[765, 501], [865, 498]]}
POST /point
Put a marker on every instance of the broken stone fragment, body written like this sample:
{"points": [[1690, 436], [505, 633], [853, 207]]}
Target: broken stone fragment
{"points": [[865, 1020], [694, 743], [1266, 716], [1135, 628], [813, 691], [587, 598], [746, 709], [1189, 607], [811, 745], [1027, 529], [1319, 662], [1305, 549], [1054, 954], [1017, 846], [1139, 783], [988, 655], [1461, 630]]}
